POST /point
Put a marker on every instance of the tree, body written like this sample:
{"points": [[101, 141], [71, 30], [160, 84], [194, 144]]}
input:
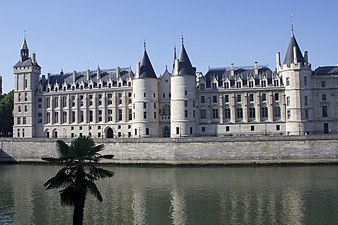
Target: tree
{"points": [[78, 174], [6, 110]]}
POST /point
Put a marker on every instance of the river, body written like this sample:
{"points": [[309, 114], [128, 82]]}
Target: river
{"points": [[179, 195]]}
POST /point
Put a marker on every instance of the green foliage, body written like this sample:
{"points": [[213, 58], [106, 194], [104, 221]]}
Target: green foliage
{"points": [[6, 110], [79, 173]]}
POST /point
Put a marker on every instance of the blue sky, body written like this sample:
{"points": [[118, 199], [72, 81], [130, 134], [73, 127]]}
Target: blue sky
{"points": [[80, 35]]}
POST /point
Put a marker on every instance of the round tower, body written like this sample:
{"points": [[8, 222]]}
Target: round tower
{"points": [[296, 74], [183, 92], [145, 100]]}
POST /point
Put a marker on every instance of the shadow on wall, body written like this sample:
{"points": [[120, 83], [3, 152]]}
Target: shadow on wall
{"points": [[6, 158]]}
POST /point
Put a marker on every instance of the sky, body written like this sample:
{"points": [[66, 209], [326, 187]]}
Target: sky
{"points": [[82, 34]]}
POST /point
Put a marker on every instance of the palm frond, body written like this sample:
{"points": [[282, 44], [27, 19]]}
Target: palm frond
{"points": [[94, 190], [62, 148], [96, 149], [61, 179], [68, 196], [100, 173]]}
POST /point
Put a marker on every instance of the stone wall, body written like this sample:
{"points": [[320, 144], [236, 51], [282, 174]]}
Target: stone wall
{"points": [[201, 150]]}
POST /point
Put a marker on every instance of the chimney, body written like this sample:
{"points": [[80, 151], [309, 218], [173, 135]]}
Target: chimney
{"points": [[88, 74], [176, 65], [256, 68], [232, 69], [277, 59], [295, 55], [33, 58], [118, 70], [98, 73], [74, 75], [306, 57], [137, 72]]}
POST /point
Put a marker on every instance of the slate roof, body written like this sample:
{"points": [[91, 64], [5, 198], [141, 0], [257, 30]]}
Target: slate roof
{"points": [[106, 76], [146, 69], [326, 70], [28, 62], [185, 67], [289, 54], [223, 73]]}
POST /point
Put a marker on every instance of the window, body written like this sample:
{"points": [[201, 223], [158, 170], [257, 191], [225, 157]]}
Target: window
{"points": [[147, 131], [214, 86], [203, 114], [226, 85], [144, 105], [202, 86], [264, 112], [277, 111], [64, 117], [306, 114], [276, 96], [25, 96], [239, 113], [203, 129], [215, 113], [252, 112], [227, 128], [288, 101], [48, 117], [322, 83], [202, 99], [56, 102], [19, 97], [214, 99], [73, 101], [239, 98], [177, 130], [288, 113], [238, 84], [305, 100], [185, 103], [263, 83], [251, 83], [130, 114], [47, 102], [190, 130], [263, 97], [154, 105], [227, 113], [64, 101], [185, 92], [19, 108], [287, 81], [252, 128], [81, 117], [144, 94], [226, 98], [251, 97], [154, 115], [144, 115], [276, 83], [324, 111], [73, 117], [91, 117], [305, 81], [26, 83], [324, 97], [18, 120], [185, 113], [277, 127], [110, 115], [120, 114]]}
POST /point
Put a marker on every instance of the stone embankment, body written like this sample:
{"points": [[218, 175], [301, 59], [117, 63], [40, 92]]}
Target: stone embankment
{"points": [[188, 151]]}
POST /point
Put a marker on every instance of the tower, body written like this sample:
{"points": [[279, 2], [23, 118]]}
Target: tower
{"points": [[183, 92], [27, 74], [296, 74], [145, 99]]}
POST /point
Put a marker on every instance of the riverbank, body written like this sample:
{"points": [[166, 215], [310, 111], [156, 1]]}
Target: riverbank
{"points": [[242, 150]]}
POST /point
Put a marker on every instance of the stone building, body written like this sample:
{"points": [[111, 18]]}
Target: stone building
{"points": [[293, 99]]}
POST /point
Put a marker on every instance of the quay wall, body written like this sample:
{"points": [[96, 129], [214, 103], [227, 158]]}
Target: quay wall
{"points": [[199, 150]]}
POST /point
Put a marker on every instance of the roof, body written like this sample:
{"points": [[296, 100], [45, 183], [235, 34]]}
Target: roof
{"points": [[106, 76], [289, 54], [24, 44], [185, 67], [326, 70], [146, 69], [244, 73], [28, 62]]}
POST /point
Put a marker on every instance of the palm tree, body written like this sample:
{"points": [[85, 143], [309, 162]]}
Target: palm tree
{"points": [[78, 174]]}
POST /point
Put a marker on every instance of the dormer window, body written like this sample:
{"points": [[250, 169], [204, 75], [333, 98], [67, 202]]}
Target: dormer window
{"points": [[263, 83], [251, 83], [214, 86], [202, 86], [276, 83], [238, 84], [226, 85]]}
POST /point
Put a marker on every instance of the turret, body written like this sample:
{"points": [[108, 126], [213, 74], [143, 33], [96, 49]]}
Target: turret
{"points": [[183, 94], [145, 103]]}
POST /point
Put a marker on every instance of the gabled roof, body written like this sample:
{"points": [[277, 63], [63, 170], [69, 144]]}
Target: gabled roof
{"points": [[28, 62], [185, 67], [146, 69], [289, 54]]}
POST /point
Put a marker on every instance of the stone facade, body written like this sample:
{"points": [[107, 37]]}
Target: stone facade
{"points": [[114, 103]]}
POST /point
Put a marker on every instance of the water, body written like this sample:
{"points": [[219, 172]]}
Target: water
{"points": [[199, 195]]}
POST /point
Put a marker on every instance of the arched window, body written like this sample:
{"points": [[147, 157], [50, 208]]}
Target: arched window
{"points": [[166, 110]]}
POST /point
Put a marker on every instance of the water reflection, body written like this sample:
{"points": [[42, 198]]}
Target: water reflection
{"points": [[272, 195]]}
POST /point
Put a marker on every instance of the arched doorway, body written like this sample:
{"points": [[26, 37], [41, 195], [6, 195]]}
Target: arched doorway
{"points": [[110, 133], [166, 131]]}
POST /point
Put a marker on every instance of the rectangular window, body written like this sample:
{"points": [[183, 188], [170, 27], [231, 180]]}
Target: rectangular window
{"points": [[227, 128], [214, 86], [264, 112], [306, 114], [252, 112], [130, 113], [324, 111], [305, 81], [252, 128], [91, 116], [322, 83], [238, 84], [324, 97], [47, 102], [18, 120], [185, 113], [48, 117], [81, 116], [73, 117], [202, 99], [239, 113], [263, 83], [277, 112], [214, 99], [288, 113], [144, 105], [56, 102], [177, 130], [276, 96], [144, 115], [277, 127], [276, 83], [226, 85], [251, 83], [154, 105], [239, 98], [56, 117], [215, 113], [203, 129], [185, 103], [288, 101], [64, 101], [251, 97], [64, 117], [226, 98], [147, 131], [263, 97], [154, 115], [287, 81], [120, 114], [227, 113], [305, 100], [185, 92], [203, 114]]}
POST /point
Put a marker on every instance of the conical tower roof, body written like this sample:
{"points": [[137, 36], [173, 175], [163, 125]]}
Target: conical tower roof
{"points": [[24, 44], [289, 56], [185, 67], [146, 69]]}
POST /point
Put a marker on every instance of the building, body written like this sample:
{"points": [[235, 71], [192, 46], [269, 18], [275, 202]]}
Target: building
{"points": [[293, 99]]}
